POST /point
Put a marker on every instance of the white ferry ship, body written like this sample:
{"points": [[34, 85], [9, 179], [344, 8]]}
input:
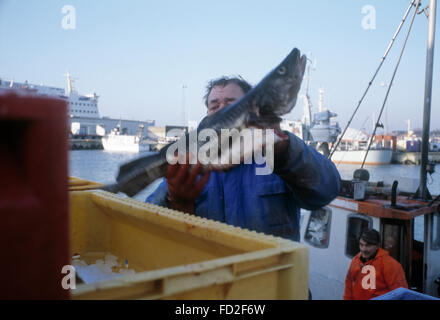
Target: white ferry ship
{"points": [[79, 105]]}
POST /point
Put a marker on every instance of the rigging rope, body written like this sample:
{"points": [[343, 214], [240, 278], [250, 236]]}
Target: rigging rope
{"points": [[358, 135], [391, 82], [375, 74]]}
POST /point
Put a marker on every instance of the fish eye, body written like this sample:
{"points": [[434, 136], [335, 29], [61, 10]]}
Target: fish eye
{"points": [[281, 70]]}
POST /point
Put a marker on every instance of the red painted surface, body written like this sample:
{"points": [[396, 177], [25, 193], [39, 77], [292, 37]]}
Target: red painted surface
{"points": [[34, 230]]}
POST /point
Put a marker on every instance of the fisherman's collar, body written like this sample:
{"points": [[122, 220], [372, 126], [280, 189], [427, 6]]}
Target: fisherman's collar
{"points": [[363, 260]]}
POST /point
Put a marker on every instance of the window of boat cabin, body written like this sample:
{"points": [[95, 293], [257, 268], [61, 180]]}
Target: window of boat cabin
{"points": [[435, 236], [318, 228], [392, 234], [356, 223]]}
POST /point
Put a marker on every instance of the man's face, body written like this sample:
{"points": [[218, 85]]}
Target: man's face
{"points": [[367, 250], [221, 97]]}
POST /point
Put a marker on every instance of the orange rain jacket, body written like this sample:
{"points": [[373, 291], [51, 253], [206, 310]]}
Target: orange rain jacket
{"points": [[359, 282]]}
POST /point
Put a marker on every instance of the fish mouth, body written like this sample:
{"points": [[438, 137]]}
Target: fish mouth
{"points": [[294, 57], [294, 65], [282, 86], [292, 84]]}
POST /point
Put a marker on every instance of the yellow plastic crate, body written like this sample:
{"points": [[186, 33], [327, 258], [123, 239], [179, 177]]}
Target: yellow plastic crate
{"points": [[77, 184], [180, 256]]}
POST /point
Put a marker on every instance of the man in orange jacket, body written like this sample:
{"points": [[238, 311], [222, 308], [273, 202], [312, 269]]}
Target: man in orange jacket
{"points": [[373, 272]]}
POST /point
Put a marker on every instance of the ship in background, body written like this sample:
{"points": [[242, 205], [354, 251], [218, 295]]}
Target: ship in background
{"points": [[354, 145], [409, 147], [117, 142], [321, 132], [78, 105], [86, 126]]}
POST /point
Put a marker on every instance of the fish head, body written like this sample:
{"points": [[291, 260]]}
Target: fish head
{"points": [[279, 89]]}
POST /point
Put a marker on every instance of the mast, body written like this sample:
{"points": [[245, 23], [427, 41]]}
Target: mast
{"points": [[69, 83], [183, 106], [422, 191], [321, 91], [308, 102], [374, 120]]}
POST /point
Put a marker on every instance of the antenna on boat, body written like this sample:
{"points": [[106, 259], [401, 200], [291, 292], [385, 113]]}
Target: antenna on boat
{"points": [[335, 146], [183, 105], [409, 128], [308, 116], [70, 80], [391, 81], [422, 191], [386, 128], [321, 92]]}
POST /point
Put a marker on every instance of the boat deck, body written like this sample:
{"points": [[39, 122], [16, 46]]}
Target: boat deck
{"points": [[375, 206]]}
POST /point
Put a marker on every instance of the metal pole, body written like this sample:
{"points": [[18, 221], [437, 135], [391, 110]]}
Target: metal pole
{"points": [[423, 192], [391, 83], [184, 106], [374, 77]]}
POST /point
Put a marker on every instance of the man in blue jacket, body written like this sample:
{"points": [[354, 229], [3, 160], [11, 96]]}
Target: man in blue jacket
{"points": [[302, 178]]}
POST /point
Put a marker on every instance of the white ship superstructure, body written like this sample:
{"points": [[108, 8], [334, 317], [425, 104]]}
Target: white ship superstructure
{"points": [[374, 157], [79, 105], [115, 141], [318, 131]]}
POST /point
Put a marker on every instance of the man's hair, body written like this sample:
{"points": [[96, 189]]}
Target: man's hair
{"points": [[224, 81], [370, 236]]}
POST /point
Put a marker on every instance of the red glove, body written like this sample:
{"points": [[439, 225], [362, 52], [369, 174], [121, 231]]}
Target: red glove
{"points": [[184, 187]]}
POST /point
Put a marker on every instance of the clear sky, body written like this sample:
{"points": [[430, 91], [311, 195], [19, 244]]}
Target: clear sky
{"points": [[138, 55]]}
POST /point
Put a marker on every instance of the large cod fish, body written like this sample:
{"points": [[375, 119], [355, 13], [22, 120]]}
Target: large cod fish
{"points": [[262, 107]]}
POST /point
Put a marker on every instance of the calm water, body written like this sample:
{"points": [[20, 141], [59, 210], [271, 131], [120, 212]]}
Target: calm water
{"points": [[103, 166]]}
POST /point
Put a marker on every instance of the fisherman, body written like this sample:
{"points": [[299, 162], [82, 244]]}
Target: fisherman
{"points": [[302, 178], [373, 272]]}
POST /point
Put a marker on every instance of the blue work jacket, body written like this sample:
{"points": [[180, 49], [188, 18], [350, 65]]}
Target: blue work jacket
{"points": [[303, 178]]}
